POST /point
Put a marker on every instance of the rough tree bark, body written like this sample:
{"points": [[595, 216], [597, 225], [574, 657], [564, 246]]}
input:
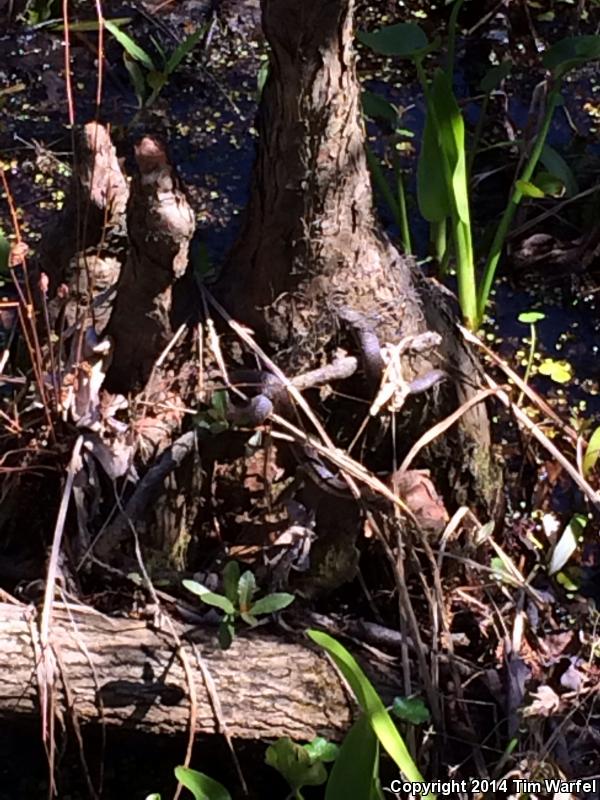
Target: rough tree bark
{"points": [[123, 673], [312, 257]]}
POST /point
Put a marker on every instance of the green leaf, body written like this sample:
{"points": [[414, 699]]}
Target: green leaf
{"points": [[129, 45], [4, 253], [322, 750], [184, 49], [494, 77], [294, 763], [201, 263], [200, 785], [531, 317], [248, 618], [153, 797], [556, 165], [208, 597], [377, 107], [567, 544], [566, 581], [137, 77], [570, 53], [592, 454], [220, 404], [529, 189], [451, 134], [156, 80], [558, 371], [432, 194], [371, 704], [411, 709], [271, 603], [231, 578], [90, 25], [501, 572], [405, 39], [549, 184], [353, 773], [225, 634], [262, 75], [246, 589]]}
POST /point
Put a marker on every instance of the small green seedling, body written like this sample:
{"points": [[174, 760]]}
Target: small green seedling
{"points": [[147, 78], [411, 709], [530, 318], [238, 601], [301, 765], [214, 419]]}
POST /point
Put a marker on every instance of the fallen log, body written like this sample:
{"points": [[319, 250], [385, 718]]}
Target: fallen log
{"points": [[130, 676]]}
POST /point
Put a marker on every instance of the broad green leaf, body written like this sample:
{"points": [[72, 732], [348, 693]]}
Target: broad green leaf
{"points": [[494, 77], [411, 709], [558, 371], [592, 453], [371, 704], [432, 195], [138, 79], [153, 797], [531, 317], [549, 184], [567, 544], [231, 577], [529, 189], [184, 49], [294, 763], [405, 39], [271, 603], [570, 53], [248, 618], [246, 589], [129, 45], [208, 597], [556, 165], [377, 107], [352, 774], [200, 785], [225, 634], [451, 133], [322, 750]]}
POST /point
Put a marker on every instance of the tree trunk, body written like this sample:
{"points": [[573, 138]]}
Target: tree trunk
{"points": [[125, 674], [312, 260]]}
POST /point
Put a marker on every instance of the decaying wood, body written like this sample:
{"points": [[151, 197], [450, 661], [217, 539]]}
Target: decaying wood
{"points": [[160, 225], [267, 687], [83, 252], [94, 209]]}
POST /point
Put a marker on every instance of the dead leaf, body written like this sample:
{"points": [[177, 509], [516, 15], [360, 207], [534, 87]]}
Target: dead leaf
{"points": [[545, 703]]}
